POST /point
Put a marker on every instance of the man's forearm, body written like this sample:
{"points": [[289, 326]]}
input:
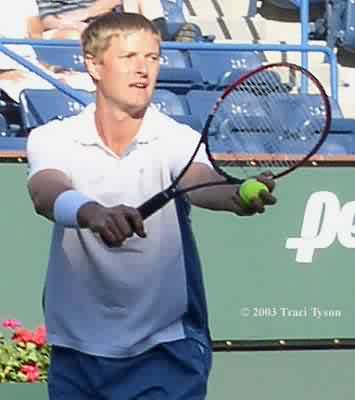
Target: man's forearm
{"points": [[44, 188], [220, 197]]}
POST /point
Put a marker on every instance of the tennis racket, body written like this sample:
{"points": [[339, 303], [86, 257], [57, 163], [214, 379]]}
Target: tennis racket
{"points": [[274, 118]]}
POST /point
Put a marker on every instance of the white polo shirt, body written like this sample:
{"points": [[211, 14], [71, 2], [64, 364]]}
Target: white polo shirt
{"points": [[118, 302]]}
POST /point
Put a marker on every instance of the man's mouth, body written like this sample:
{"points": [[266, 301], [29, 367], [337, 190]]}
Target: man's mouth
{"points": [[139, 85]]}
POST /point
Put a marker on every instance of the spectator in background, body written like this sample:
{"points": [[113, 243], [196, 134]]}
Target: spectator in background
{"points": [[66, 19], [151, 9], [72, 15], [18, 20]]}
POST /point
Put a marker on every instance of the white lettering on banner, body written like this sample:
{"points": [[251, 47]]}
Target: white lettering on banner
{"points": [[324, 220]]}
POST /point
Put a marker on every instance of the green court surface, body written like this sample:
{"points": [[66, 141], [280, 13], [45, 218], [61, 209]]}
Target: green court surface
{"points": [[323, 375], [256, 288]]}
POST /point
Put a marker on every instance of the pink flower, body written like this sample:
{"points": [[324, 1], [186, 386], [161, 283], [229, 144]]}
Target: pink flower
{"points": [[11, 324], [31, 371], [40, 336], [22, 335]]}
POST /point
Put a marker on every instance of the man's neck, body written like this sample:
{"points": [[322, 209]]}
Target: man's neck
{"points": [[117, 129]]}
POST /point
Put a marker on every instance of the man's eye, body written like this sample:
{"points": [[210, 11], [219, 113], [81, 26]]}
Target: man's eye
{"points": [[127, 56]]}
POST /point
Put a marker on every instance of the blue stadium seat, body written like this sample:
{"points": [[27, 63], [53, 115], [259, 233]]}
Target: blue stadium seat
{"points": [[170, 103], [244, 145], [334, 145], [340, 22], [336, 25], [294, 4], [288, 105], [214, 64], [3, 126], [176, 72], [342, 125], [201, 103], [265, 82], [249, 119], [245, 117], [173, 12], [12, 144], [179, 80], [171, 58], [338, 144], [72, 58], [63, 57], [39, 106], [176, 107]]}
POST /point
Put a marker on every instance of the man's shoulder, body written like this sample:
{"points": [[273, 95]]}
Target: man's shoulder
{"points": [[62, 130], [167, 126]]}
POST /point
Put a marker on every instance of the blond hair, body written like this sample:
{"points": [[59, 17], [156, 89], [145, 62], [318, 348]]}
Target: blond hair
{"points": [[96, 38]]}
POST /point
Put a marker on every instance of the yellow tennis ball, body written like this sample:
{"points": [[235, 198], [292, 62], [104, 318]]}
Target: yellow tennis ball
{"points": [[250, 190]]}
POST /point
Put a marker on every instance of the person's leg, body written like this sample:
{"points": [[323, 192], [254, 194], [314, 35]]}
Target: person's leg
{"points": [[172, 371], [70, 376], [190, 364], [177, 370], [62, 34], [189, 32]]}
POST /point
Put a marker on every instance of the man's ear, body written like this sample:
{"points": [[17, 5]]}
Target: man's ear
{"points": [[93, 66]]}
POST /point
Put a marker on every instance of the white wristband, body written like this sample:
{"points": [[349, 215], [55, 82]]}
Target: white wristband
{"points": [[66, 207]]}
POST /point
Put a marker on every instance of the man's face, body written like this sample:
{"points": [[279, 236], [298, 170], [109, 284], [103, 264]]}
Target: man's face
{"points": [[127, 72]]}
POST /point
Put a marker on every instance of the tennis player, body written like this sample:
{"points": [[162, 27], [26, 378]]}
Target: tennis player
{"points": [[124, 301]]}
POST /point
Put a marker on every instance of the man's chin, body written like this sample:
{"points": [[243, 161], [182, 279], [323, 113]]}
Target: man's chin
{"points": [[138, 110]]}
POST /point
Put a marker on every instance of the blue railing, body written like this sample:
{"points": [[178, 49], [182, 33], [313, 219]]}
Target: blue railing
{"points": [[304, 49]]}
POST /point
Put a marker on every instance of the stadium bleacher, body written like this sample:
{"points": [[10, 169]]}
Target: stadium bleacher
{"points": [[190, 80], [3, 126], [65, 57], [294, 4], [213, 65], [36, 112]]}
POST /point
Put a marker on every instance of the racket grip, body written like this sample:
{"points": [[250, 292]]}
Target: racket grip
{"points": [[154, 204]]}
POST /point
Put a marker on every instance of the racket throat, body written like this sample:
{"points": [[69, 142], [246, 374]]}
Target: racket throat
{"points": [[156, 202]]}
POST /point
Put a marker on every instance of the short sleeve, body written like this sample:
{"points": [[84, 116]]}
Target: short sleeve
{"points": [[183, 143], [47, 150]]}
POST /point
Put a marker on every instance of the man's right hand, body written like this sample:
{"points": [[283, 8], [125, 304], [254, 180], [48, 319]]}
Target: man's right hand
{"points": [[113, 224]]}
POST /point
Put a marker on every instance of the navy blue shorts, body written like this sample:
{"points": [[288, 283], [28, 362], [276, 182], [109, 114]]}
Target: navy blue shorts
{"points": [[177, 370]]}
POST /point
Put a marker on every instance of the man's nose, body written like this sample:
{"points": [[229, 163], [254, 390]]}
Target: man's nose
{"points": [[141, 65]]}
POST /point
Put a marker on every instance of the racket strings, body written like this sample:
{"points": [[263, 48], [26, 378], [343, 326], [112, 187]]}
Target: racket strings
{"points": [[270, 114], [247, 137]]}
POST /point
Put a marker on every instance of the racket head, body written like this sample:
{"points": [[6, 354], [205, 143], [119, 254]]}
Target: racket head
{"points": [[274, 118]]}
